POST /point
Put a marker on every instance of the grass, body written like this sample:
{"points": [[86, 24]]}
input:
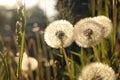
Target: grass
{"points": [[108, 51]]}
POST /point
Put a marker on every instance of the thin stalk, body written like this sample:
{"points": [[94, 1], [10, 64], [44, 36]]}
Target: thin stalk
{"points": [[81, 57], [30, 74], [99, 7], [47, 73], [114, 20], [38, 43], [72, 66], [6, 65], [67, 63], [103, 49], [21, 56], [66, 60], [21, 23], [96, 53], [1, 40], [93, 7], [107, 8], [32, 43], [43, 47]]}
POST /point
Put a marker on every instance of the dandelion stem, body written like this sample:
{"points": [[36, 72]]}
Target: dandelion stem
{"points": [[66, 60], [81, 57], [107, 8], [96, 53], [93, 7], [104, 50], [114, 20], [99, 7]]}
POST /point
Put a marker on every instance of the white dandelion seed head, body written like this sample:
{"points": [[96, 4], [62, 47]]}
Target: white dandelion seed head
{"points": [[29, 63], [87, 32], [25, 62], [106, 24], [56, 30], [33, 63], [35, 27], [98, 71], [49, 63]]}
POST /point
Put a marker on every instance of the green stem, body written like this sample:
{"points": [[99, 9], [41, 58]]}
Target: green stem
{"points": [[38, 43], [6, 65], [21, 56], [93, 7], [114, 21], [96, 53], [21, 35], [66, 60], [103, 49], [67, 63], [106, 8], [81, 57], [99, 7]]}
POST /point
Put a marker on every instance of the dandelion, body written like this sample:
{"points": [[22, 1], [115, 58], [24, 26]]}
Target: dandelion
{"points": [[59, 32], [97, 71], [106, 24], [35, 27], [87, 32], [28, 63], [49, 63]]}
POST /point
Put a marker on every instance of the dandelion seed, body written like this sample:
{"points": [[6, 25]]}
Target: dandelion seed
{"points": [[59, 32], [97, 71], [106, 24], [87, 32]]}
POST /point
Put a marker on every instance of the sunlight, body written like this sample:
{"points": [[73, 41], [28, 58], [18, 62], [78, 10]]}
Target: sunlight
{"points": [[48, 6], [31, 3], [13, 3], [7, 3]]}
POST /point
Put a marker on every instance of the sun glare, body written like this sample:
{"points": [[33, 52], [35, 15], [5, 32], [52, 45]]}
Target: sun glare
{"points": [[31, 3], [13, 3], [7, 2]]}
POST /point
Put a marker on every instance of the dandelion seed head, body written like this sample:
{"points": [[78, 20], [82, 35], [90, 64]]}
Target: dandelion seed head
{"points": [[106, 24], [49, 63], [97, 71], [29, 63], [25, 62], [35, 27], [33, 63], [57, 31], [87, 32]]}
